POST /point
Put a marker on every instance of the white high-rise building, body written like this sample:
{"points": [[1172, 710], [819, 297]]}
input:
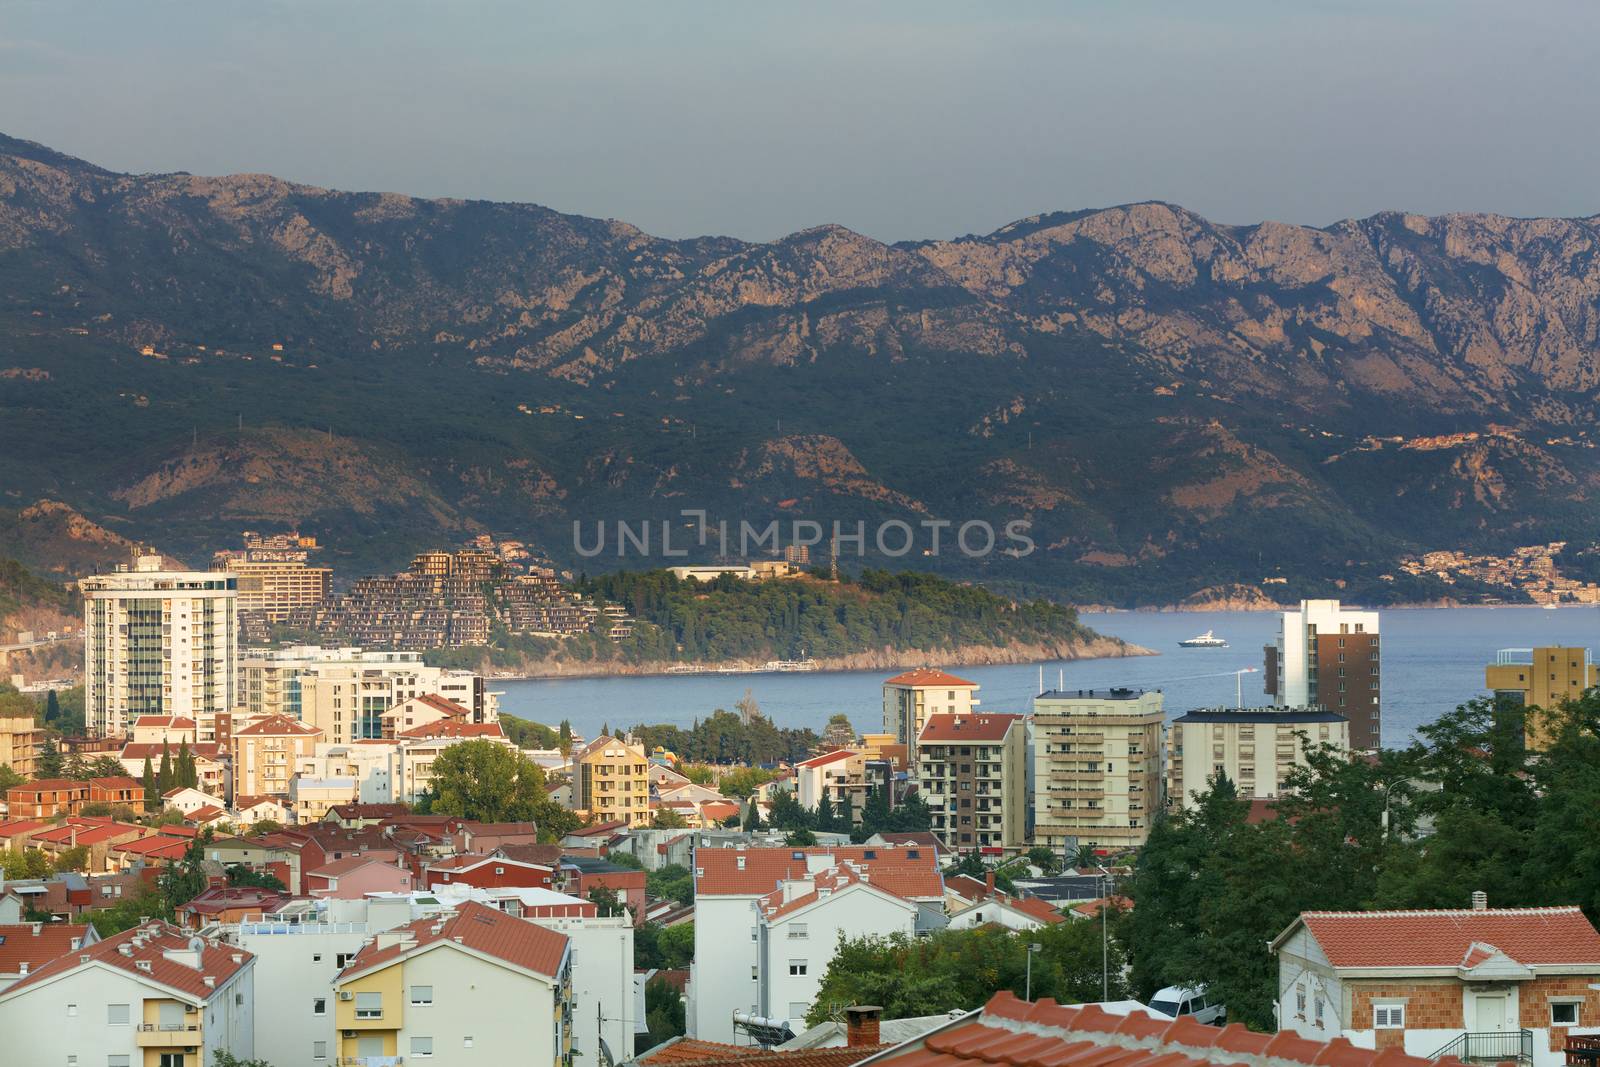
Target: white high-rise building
{"points": [[1329, 656], [157, 643]]}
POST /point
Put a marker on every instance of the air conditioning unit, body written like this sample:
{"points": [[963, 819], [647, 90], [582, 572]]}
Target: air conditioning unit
{"points": [[347, 996], [190, 1009], [349, 1033]]}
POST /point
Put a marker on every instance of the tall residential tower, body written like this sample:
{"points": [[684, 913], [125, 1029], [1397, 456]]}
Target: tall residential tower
{"points": [[1328, 656], [157, 642]]}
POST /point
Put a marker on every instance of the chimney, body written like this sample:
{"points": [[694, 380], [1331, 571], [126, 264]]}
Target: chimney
{"points": [[1480, 900], [861, 1026], [988, 884], [22, 969]]}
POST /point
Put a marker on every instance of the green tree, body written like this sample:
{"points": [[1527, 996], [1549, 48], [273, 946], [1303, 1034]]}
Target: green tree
{"points": [[50, 764], [52, 708], [487, 782], [668, 819], [564, 733], [24, 863], [9, 777], [606, 901], [127, 912], [184, 880], [152, 795], [164, 779], [752, 816], [239, 874], [672, 882], [72, 859], [800, 838], [664, 1013], [224, 1058]]}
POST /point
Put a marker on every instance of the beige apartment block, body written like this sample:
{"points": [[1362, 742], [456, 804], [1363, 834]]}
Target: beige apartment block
{"points": [[1097, 767]]}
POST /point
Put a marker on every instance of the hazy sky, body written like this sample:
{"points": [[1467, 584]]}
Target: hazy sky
{"points": [[901, 120]]}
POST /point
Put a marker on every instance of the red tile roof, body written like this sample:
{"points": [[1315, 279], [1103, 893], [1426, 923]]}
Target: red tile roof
{"points": [[36, 944], [368, 811], [246, 801], [339, 868], [175, 722], [964, 728], [1091, 908], [120, 781], [475, 926], [220, 898], [930, 676], [22, 827], [149, 943], [452, 728], [277, 724], [206, 813], [693, 1052], [1009, 1032], [87, 833], [1530, 936], [439, 703], [45, 785], [827, 757], [717, 870], [833, 880], [719, 809]]}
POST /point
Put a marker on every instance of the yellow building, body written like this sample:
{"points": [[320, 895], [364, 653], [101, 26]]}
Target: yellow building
{"points": [[20, 741], [472, 978], [611, 781], [276, 587], [1541, 678], [266, 752], [1097, 767]]}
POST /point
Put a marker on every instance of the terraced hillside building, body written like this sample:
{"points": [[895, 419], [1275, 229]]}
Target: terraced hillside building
{"points": [[158, 642]]}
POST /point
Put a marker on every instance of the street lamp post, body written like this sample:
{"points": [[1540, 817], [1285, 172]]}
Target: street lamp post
{"points": [[1105, 940], [1027, 989]]}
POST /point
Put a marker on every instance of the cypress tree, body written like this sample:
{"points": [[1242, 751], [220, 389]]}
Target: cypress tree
{"points": [[151, 797], [52, 707], [186, 769], [164, 776]]}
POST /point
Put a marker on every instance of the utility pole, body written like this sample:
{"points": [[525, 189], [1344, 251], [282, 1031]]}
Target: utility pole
{"points": [[1027, 988]]}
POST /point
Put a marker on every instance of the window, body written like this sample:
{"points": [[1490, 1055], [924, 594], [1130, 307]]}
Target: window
{"points": [[753, 974], [116, 1060], [422, 1046], [422, 994], [1564, 1012], [319, 1005], [798, 932], [72, 1011], [342, 958], [797, 967], [171, 1059], [369, 1005], [1300, 1001], [316, 957], [1389, 1017], [1319, 1012], [319, 1050], [116, 1015], [466, 1042]]}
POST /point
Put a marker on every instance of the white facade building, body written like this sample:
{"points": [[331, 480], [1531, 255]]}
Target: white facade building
{"points": [[297, 955], [1255, 748], [730, 886], [154, 994], [157, 643]]}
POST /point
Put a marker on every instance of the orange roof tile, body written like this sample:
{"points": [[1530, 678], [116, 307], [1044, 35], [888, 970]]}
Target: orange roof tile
{"points": [[1531, 936], [477, 927], [941, 729], [36, 944], [718, 871], [275, 725], [1008, 1032], [452, 728], [930, 676], [827, 757], [205, 750], [148, 943]]}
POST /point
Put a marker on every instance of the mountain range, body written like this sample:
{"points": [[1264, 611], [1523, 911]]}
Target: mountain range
{"points": [[1175, 406]]}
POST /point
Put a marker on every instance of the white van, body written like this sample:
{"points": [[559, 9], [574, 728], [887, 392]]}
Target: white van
{"points": [[1179, 1000]]}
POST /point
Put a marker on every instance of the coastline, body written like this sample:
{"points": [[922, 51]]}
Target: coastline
{"points": [[1100, 647]]}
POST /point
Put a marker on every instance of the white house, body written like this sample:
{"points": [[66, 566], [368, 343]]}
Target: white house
{"points": [[1479, 984], [188, 800], [798, 927], [731, 883], [249, 810], [152, 989]]}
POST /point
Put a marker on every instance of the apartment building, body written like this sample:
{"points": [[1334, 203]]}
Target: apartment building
{"points": [[972, 771], [154, 995], [799, 924], [909, 698], [275, 589], [472, 979], [265, 754], [1097, 773], [25, 947], [1541, 678], [21, 741], [157, 643], [45, 798], [730, 886], [1255, 748], [611, 781], [1328, 656], [1478, 984], [847, 775], [348, 701]]}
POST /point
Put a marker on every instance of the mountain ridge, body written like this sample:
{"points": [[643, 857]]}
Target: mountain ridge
{"points": [[1140, 383]]}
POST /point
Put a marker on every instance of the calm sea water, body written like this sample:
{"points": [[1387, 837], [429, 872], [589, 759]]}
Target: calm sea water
{"points": [[1433, 659]]}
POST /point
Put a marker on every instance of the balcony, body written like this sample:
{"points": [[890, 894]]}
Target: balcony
{"points": [[1491, 1046], [372, 1061], [168, 1035]]}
